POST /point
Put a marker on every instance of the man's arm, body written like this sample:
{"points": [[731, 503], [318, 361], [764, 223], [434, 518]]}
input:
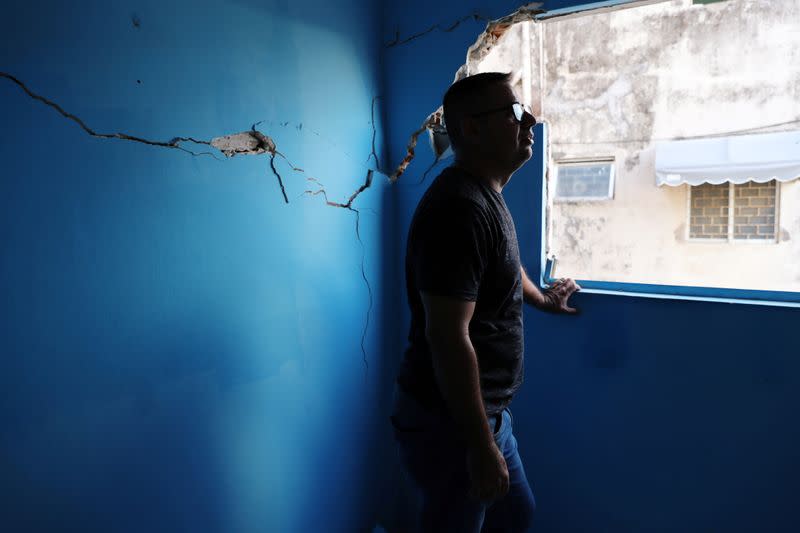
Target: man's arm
{"points": [[455, 365], [554, 299]]}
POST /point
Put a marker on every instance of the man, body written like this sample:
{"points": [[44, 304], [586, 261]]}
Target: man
{"points": [[465, 288]]}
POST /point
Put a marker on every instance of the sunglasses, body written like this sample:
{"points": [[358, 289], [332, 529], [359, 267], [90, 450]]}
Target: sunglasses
{"points": [[518, 109]]}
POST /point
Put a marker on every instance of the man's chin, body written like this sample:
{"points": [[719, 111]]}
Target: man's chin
{"points": [[522, 159]]}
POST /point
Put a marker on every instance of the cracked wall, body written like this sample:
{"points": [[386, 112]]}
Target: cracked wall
{"points": [[184, 306]]}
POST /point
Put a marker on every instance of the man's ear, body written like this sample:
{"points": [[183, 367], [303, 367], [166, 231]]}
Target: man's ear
{"points": [[470, 129]]}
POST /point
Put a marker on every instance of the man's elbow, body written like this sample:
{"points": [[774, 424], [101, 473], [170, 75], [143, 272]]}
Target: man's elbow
{"points": [[441, 339]]}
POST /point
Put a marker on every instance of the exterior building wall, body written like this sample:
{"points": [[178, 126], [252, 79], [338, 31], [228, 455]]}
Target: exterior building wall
{"points": [[613, 84]]}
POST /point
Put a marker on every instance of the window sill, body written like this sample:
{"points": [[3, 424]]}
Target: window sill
{"points": [[667, 296], [679, 292]]}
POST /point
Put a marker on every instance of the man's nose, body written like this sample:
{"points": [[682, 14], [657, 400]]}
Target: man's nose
{"points": [[528, 120]]}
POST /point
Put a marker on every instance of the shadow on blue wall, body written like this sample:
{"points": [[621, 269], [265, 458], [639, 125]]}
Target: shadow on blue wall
{"points": [[181, 351]]}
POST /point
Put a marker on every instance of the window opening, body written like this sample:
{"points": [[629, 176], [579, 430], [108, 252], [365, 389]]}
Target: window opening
{"points": [[584, 180], [699, 134]]}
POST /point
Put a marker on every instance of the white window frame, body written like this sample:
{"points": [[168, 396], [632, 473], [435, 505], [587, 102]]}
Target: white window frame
{"points": [[585, 162], [730, 239]]}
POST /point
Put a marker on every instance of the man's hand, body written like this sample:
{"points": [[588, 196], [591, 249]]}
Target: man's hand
{"points": [[488, 473], [557, 296], [553, 299], [455, 366]]}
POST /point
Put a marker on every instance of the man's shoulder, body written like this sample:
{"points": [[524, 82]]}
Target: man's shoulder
{"points": [[454, 189]]}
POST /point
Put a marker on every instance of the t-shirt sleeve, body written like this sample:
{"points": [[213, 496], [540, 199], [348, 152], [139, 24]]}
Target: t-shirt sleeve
{"points": [[451, 252]]}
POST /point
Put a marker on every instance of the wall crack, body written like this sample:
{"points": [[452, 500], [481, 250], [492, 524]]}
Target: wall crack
{"points": [[251, 142], [373, 154], [397, 41], [494, 30], [174, 143]]}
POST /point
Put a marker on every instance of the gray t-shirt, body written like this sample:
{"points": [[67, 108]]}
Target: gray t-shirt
{"points": [[462, 244]]}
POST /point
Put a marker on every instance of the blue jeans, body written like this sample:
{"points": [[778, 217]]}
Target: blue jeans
{"points": [[436, 460]]}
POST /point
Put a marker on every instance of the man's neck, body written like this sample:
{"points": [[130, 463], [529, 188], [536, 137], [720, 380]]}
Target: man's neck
{"points": [[484, 172]]}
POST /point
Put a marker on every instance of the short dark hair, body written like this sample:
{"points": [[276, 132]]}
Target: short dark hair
{"points": [[460, 99]]}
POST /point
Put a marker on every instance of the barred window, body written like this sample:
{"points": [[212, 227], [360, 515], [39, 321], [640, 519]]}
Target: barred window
{"points": [[733, 212]]}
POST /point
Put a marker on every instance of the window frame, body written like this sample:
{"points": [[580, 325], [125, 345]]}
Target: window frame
{"points": [[539, 223], [593, 161], [540, 165]]}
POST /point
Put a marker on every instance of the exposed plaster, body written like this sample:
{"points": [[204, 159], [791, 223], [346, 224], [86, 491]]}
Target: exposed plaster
{"points": [[251, 142], [492, 34], [483, 45]]}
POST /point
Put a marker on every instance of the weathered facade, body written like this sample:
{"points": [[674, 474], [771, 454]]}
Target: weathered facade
{"points": [[613, 85]]}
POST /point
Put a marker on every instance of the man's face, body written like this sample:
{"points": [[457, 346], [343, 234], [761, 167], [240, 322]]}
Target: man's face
{"points": [[503, 139]]}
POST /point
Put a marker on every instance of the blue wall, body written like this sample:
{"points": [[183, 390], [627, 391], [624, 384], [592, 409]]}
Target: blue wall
{"points": [[180, 350], [639, 414]]}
